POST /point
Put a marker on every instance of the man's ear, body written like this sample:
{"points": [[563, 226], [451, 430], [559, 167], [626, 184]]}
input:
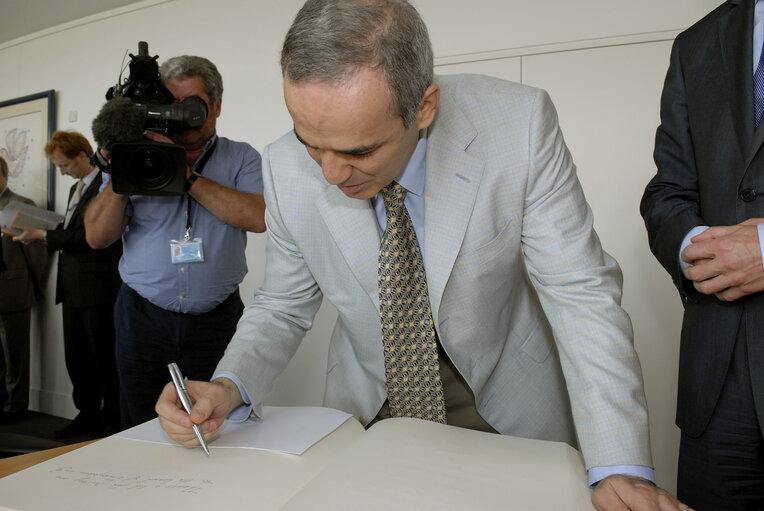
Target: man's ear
{"points": [[429, 107]]}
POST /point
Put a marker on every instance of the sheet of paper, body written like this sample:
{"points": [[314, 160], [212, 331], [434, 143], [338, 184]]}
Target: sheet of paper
{"points": [[116, 474], [19, 214], [290, 430]]}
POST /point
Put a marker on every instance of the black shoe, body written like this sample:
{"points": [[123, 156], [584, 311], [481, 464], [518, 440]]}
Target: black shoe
{"points": [[85, 424]]}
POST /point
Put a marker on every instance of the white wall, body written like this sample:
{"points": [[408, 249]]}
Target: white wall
{"points": [[602, 61]]}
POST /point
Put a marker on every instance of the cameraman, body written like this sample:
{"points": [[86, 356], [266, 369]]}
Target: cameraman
{"points": [[170, 309]]}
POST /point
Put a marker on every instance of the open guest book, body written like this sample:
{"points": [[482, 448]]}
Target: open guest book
{"points": [[396, 464]]}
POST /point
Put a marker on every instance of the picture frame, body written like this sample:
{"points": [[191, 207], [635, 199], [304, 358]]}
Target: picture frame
{"points": [[26, 125]]}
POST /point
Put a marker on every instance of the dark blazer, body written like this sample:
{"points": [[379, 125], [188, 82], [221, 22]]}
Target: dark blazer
{"points": [[710, 169], [86, 277], [25, 270]]}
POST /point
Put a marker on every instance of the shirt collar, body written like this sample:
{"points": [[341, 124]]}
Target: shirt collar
{"points": [[412, 177], [90, 177], [209, 143]]}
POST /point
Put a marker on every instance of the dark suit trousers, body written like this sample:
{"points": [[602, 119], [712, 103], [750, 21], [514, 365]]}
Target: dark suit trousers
{"points": [[149, 338], [89, 352], [724, 467], [14, 365]]}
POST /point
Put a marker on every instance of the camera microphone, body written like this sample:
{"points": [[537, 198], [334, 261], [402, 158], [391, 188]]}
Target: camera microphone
{"points": [[120, 120], [143, 103]]}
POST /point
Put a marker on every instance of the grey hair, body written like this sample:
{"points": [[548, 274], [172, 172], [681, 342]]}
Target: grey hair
{"points": [[4, 167], [330, 40], [188, 66]]}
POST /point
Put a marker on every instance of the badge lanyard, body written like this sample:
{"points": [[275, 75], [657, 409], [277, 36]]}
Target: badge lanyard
{"points": [[190, 250], [199, 169]]}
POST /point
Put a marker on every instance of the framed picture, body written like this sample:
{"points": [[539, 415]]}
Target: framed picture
{"points": [[26, 125]]}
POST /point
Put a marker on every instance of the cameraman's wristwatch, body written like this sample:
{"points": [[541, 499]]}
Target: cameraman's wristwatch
{"points": [[192, 179]]}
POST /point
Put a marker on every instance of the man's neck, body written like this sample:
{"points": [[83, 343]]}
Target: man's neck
{"points": [[192, 156]]}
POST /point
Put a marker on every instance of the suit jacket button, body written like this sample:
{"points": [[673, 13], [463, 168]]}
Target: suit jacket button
{"points": [[747, 195]]}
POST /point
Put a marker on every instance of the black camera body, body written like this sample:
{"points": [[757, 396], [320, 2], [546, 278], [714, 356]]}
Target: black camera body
{"points": [[146, 167]]}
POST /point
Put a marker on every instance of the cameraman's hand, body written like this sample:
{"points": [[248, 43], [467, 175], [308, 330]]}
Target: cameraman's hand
{"points": [[212, 404], [158, 137]]}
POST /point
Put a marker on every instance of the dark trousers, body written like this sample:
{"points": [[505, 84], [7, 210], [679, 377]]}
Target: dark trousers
{"points": [[89, 352], [723, 469], [14, 363], [149, 338]]}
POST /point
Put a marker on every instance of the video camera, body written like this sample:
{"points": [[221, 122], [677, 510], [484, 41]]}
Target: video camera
{"points": [[142, 102]]}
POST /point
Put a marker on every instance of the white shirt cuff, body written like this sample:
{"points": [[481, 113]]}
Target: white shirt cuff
{"points": [[686, 242], [597, 474], [245, 411]]}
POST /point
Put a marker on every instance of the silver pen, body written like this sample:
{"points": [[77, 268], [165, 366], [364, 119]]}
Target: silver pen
{"points": [[180, 386]]}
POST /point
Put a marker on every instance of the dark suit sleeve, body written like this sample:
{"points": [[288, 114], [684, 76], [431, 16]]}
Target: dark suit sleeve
{"points": [[71, 240], [670, 204]]}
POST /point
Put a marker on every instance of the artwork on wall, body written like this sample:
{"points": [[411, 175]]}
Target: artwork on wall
{"points": [[26, 125]]}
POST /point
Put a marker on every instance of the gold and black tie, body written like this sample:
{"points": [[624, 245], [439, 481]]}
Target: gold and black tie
{"points": [[412, 373]]}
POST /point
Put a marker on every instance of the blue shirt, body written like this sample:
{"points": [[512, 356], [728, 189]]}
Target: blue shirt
{"points": [[190, 288], [412, 179]]}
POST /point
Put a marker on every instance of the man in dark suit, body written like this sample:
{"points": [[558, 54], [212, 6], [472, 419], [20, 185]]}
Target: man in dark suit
{"points": [[20, 287], [708, 151], [86, 286]]}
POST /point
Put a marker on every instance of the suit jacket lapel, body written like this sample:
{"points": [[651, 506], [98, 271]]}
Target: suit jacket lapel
{"points": [[353, 226], [736, 44], [451, 185], [90, 192]]}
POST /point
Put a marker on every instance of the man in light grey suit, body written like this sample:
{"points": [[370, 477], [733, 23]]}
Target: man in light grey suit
{"points": [[510, 255]]}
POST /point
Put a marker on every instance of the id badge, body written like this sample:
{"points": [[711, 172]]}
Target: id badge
{"points": [[186, 251]]}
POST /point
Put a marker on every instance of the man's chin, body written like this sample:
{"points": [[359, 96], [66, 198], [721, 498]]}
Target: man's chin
{"points": [[360, 191], [189, 144]]}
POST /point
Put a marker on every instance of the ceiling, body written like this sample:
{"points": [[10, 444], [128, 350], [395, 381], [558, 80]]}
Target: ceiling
{"points": [[22, 17]]}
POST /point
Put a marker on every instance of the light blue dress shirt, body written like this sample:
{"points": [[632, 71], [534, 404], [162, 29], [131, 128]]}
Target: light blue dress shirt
{"points": [[190, 288]]}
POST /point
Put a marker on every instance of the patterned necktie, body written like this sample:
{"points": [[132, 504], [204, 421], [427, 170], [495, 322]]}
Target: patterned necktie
{"points": [[758, 90], [74, 201], [412, 372]]}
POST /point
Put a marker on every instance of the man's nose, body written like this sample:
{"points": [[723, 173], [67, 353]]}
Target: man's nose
{"points": [[335, 167]]}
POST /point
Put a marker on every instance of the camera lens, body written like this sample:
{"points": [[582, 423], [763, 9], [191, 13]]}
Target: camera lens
{"points": [[150, 168]]}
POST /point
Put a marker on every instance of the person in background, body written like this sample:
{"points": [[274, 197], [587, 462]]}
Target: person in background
{"points": [[86, 287], [443, 218], [181, 304], [20, 288], [711, 173]]}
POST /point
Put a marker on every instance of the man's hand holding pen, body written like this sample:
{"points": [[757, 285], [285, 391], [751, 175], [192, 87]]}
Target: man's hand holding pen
{"points": [[212, 402]]}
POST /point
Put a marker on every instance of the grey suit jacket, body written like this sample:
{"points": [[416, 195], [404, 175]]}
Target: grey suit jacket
{"points": [[25, 265], [710, 166], [512, 263]]}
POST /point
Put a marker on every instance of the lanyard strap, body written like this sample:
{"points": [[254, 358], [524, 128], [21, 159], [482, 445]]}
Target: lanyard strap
{"points": [[199, 169]]}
